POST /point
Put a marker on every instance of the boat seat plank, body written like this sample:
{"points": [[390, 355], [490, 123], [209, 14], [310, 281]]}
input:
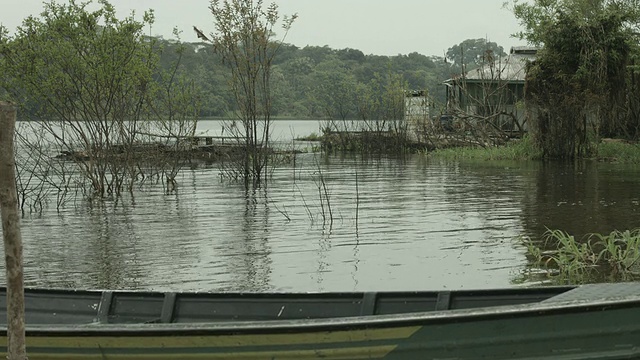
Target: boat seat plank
{"points": [[369, 300], [443, 301], [486, 298], [168, 307], [104, 307]]}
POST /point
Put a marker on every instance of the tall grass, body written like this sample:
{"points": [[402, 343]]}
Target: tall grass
{"points": [[525, 149], [619, 151], [614, 256], [522, 149]]}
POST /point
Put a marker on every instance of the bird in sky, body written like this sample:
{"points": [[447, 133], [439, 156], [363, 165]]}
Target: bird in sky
{"points": [[200, 34]]}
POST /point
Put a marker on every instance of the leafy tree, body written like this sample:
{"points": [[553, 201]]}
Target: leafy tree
{"points": [[287, 52], [472, 53], [92, 82], [388, 103], [174, 102], [243, 39], [580, 81], [294, 75], [86, 76], [336, 90], [317, 53], [351, 55], [297, 70]]}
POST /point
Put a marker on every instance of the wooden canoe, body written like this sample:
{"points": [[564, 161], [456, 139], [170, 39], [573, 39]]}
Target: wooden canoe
{"points": [[600, 321]]}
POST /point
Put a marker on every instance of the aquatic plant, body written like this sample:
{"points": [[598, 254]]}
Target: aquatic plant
{"points": [[620, 250], [522, 149], [615, 255], [618, 151]]}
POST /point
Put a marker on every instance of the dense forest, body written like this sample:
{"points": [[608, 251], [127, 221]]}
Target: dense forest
{"points": [[91, 81], [318, 81]]}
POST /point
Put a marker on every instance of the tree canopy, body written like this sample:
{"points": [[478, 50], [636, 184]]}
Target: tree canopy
{"points": [[584, 82], [299, 74], [472, 53], [91, 80]]}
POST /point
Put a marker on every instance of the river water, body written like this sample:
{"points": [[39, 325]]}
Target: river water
{"points": [[413, 223]]}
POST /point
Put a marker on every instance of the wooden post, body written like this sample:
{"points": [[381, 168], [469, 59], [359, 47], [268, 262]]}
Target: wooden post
{"points": [[16, 344]]}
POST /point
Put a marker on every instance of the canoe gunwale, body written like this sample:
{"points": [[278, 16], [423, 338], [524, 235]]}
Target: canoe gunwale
{"points": [[287, 294], [337, 324]]}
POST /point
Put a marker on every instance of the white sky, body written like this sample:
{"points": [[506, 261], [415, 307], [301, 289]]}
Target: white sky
{"points": [[380, 27]]}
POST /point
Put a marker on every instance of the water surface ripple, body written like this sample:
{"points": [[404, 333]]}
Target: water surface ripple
{"points": [[406, 224]]}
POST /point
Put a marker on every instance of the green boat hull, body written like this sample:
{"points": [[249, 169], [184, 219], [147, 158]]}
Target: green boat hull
{"points": [[591, 322]]}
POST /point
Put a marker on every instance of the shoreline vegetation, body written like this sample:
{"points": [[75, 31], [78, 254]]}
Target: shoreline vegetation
{"points": [[606, 150], [593, 258], [575, 110], [559, 257]]}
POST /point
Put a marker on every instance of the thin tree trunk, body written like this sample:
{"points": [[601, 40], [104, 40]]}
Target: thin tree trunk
{"points": [[16, 345]]}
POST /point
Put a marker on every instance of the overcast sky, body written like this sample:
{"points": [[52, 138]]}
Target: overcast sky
{"points": [[380, 27]]}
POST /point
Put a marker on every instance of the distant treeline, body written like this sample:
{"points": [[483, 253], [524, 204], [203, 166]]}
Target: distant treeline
{"points": [[310, 82]]}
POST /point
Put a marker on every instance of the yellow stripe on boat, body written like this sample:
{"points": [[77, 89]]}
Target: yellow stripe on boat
{"points": [[125, 341], [372, 352]]}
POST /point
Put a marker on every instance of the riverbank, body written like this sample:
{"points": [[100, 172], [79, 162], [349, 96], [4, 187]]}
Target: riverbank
{"points": [[608, 150]]}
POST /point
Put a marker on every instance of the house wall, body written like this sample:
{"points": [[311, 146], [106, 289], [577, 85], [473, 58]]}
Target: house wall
{"points": [[488, 98], [494, 87]]}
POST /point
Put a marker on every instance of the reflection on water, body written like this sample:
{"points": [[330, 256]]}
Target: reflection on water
{"points": [[421, 224], [584, 198]]}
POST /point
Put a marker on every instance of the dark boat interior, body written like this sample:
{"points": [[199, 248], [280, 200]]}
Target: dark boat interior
{"points": [[129, 307]]}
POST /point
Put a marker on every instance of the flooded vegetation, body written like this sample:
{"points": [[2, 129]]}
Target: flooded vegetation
{"points": [[522, 171], [392, 188], [612, 257], [458, 223]]}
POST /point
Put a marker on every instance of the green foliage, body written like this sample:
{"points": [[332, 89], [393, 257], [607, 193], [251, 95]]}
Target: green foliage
{"points": [[580, 81], [299, 77], [320, 82], [335, 89], [380, 107], [619, 151], [244, 41], [308, 82], [614, 256], [87, 77], [472, 53], [92, 80], [523, 149], [72, 60]]}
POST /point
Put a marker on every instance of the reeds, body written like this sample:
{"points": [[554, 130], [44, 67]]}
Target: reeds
{"points": [[615, 256], [323, 196], [522, 149], [525, 149], [619, 151]]}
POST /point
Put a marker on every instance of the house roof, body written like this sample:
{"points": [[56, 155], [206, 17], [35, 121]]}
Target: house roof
{"points": [[507, 68]]}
